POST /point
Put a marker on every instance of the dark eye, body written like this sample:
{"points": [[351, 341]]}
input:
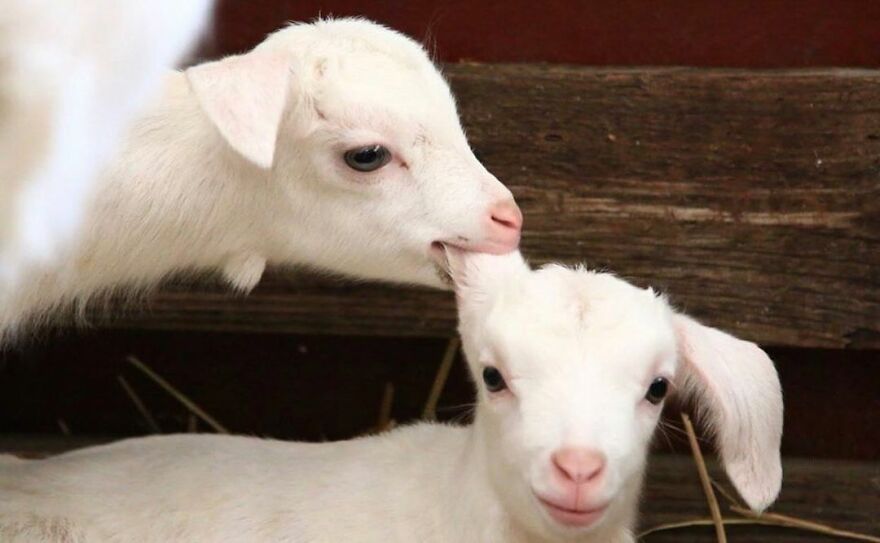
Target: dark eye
{"points": [[658, 390], [493, 379], [367, 159]]}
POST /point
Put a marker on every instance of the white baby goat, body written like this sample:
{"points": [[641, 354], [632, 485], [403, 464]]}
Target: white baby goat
{"points": [[571, 369], [335, 145], [72, 75]]}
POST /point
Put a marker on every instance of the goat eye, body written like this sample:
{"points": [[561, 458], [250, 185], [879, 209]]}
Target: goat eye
{"points": [[493, 379], [367, 159], [658, 390]]}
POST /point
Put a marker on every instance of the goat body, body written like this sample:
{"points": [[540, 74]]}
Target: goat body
{"points": [[571, 370], [419, 483], [247, 161]]}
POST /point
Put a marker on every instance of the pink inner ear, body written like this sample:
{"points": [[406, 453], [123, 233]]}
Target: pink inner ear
{"points": [[740, 399], [245, 97]]}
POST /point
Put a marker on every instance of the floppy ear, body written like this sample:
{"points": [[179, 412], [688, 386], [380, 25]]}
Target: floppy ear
{"points": [[245, 96], [739, 395]]}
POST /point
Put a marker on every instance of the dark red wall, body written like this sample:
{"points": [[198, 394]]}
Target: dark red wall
{"points": [[733, 33]]}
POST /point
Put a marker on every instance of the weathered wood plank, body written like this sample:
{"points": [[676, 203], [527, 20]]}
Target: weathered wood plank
{"points": [[752, 197], [845, 495]]}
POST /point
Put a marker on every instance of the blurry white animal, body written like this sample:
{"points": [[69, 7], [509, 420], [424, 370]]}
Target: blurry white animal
{"points": [[72, 75], [335, 145], [571, 368]]}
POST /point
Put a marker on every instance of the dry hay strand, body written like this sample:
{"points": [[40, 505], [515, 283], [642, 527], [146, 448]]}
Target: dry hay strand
{"points": [[786, 521], [139, 405], [385, 421], [750, 518], [705, 480], [192, 424], [765, 519], [192, 406], [430, 410]]}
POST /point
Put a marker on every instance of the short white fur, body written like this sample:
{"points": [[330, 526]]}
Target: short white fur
{"points": [[239, 164], [72, 76], [578, 348]]}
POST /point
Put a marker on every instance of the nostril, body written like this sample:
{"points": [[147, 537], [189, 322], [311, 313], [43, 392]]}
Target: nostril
{"points": [[506, 214], [501, 221], [579, 465], [505, 222]]}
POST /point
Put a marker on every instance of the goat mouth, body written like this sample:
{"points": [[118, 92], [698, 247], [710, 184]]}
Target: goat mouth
{"points": [[460, 243], [437, 254], [437, 249], [487, 246], [575, 518]]}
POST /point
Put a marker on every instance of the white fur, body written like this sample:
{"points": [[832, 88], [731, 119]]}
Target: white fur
{"points": [[578, 350], [72, 75], [239, 164]]}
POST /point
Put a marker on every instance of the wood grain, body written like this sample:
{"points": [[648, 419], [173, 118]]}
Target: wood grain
{"points": [[845, 495], [752, 198]]}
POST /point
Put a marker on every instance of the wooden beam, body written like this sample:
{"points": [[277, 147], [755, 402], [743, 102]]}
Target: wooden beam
{"points": [[751, 197], [673, 494]]}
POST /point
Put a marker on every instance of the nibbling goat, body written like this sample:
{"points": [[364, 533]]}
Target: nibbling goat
{"points": [[334, 145], [571, 369]]}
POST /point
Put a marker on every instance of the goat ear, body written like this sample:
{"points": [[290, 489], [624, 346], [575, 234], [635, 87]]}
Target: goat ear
{"points": [[245, 96], [740, 397]]}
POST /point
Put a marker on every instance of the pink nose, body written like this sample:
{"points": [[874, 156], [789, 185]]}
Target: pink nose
{"points": [[579, 466], [505, 226]]}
